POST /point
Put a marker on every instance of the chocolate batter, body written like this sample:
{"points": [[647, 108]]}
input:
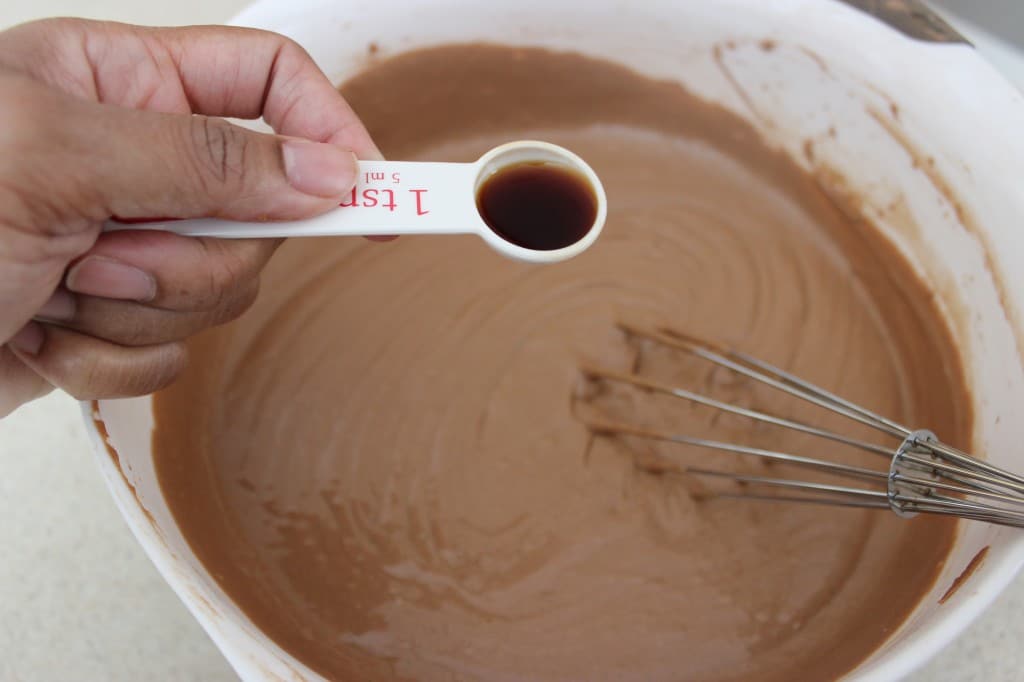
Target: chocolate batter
{"points": [[381, 465]]}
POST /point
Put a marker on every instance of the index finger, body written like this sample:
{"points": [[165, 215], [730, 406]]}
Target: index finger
{"points": [[247, 73]]}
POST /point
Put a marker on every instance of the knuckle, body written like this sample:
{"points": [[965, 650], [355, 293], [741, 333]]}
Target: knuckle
{"points": [[238, 304], [79, 375], [227, 270], [133, 372], [291, 47], [291, 54], [166, 367], [218, 150], [134, 333]]}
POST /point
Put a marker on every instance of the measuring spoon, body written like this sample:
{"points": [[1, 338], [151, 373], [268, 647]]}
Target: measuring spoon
{"points": [[416, 197]]}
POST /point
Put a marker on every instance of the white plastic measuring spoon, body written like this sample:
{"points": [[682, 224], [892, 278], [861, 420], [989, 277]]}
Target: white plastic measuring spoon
{"points": [[415, 197]]}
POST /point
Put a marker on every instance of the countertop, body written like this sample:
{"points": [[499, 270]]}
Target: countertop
{"points": [[80, 601]]}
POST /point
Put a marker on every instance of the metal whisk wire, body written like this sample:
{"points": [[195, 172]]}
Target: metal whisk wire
{"points": [[924, 474]]}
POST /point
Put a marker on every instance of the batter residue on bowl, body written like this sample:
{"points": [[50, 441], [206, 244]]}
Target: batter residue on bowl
{"points": [[379, 463]]}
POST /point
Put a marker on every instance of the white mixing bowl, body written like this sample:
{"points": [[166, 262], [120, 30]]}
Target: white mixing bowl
{"points": [[924, 136]]}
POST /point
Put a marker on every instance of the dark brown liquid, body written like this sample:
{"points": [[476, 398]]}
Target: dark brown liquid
{"points": [[538, 206]]}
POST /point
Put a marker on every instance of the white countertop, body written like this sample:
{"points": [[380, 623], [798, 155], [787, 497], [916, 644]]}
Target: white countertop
{"points": [[80, 601]]}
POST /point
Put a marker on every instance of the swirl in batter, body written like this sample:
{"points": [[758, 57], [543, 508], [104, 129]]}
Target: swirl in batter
{"points": [[380, 462]]}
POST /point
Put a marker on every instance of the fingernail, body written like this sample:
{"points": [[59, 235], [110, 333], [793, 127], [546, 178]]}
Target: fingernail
{"points": [[322, 170], [108, 278], [60, 307], [29, 340]]}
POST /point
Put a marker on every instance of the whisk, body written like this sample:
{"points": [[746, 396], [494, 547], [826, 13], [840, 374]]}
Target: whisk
{"points": [[924, 474]]}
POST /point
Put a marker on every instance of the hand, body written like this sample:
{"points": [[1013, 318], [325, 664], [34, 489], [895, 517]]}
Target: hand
{"points": [[101, 119]]}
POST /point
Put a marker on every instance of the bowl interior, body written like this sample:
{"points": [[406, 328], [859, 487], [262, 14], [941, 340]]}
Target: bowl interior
{"points": [[861, 105]]}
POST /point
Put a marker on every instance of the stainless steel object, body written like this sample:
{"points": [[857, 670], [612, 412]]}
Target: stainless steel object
{"points": [[924, 475]]}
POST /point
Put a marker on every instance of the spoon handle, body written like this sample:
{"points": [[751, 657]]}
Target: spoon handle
{"points": [[390, 197]]}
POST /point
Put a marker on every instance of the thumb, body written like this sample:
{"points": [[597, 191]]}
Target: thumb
{"points": [[187, 166]]}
